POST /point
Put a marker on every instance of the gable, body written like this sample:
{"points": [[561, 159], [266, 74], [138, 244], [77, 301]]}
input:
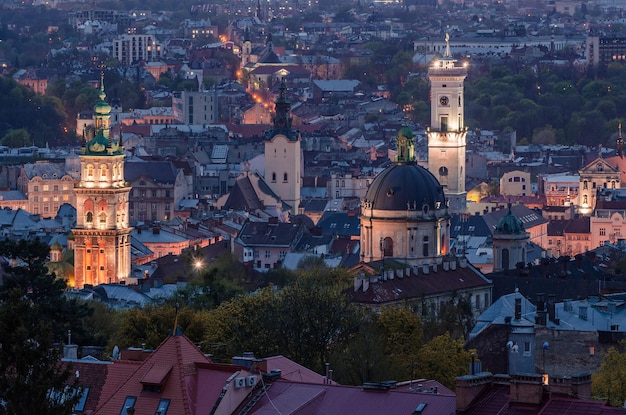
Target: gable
{"points": [[598, 165]]}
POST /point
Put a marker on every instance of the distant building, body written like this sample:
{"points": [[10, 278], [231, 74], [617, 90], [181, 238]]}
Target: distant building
{"points": [[132, 49], [195, 107], [48, 185], [515, 183]]}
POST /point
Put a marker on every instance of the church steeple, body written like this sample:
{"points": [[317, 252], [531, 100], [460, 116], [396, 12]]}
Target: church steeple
{"points": [[282, 119], [102, 142]]}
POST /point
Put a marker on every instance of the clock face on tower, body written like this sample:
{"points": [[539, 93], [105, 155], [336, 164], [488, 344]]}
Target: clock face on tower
{"points": [[444, 100]]}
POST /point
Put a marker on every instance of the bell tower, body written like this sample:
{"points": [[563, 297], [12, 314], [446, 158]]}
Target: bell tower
{"points": [[102, 235], [283, 154], [447, 131]]}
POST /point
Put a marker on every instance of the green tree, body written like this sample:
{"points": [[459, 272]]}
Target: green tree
{"points": [[16, 138], [609, 382], [34, 317], [444, 359]]}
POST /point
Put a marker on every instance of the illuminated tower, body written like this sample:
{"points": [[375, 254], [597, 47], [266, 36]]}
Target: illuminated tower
{"points": [[447, 132], [102, 234]]}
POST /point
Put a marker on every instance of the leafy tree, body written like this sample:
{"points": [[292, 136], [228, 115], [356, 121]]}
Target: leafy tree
{"points": [[152, 324], [34, 317], [306, 321], [609, 382], [444, 359], [404, 335], [16, 138]]}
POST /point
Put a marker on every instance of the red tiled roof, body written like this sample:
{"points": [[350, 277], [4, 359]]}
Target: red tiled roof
{"points": [[496, 400], [421, 285], [303, 398], [176, 356]]}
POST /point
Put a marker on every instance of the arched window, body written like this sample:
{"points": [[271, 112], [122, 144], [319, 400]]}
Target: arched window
{"points": [[90, 171], [102, 217], [425, 246], [103, 171], [505, 259], [585, 200], [585, 185], [89, 217], [284, 177], [274, 176], [387, 247]]}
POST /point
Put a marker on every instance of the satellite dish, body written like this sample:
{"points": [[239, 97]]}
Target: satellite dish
{"points": [[116, 353]]}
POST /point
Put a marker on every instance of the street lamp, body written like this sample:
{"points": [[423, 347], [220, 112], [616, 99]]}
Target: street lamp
{"points": [[545, 347], [197, 265]]}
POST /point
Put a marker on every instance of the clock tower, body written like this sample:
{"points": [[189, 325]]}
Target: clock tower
{"points": [[102, 235], [447, 131]]}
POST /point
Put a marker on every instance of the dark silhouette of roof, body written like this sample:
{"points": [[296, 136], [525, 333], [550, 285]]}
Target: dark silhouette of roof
{"points": [[156, 171]]}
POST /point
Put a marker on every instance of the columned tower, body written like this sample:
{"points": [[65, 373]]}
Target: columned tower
{"points": [[102, 235], [447, 132]]}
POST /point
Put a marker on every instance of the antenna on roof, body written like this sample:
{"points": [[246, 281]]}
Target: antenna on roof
{"points": [[175, 321]]}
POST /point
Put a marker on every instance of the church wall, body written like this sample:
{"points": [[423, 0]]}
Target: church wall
{"points": [[283, 157]]}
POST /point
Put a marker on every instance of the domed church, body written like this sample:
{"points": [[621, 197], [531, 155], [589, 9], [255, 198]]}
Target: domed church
{"points": [[405, 212]]}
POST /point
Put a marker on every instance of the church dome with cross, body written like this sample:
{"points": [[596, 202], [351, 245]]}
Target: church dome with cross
{"points": [[404, 213]]}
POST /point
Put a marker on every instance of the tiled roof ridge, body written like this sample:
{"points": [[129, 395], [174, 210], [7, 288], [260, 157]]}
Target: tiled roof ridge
{"points": [[181, 373]]}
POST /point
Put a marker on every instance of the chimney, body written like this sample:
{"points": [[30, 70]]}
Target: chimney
{"points": [[518, 309], [446, 265], [581, 385], [463, 262], [453, 265], [540, 318], [526, 388], [469, 387], [552, 308], [156, 230], [70, 351], [425, 269]]}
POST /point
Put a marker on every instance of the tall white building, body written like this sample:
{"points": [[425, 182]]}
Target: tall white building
{"points": [[195, 107], [447, 131], [129, 49]]}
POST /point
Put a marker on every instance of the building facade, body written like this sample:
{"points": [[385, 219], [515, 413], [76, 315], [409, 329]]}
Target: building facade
{"points": [[197, 107], [132, 49], [594, 178], [47, 186]]}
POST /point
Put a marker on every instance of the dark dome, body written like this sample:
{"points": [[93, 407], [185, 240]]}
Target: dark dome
{"points": [[405, 185], [510, 224]]}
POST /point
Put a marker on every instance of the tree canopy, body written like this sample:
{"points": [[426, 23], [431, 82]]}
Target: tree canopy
{"points": [[35, 317]]}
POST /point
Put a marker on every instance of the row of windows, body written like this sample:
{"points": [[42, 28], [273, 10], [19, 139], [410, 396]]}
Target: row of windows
{"points": [[55, 198], [153, 206], [55, 188], [151, 193], [285, 177]]}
